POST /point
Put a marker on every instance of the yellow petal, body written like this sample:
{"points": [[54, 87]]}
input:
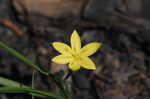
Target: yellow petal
{"points": [[87, 63], [90, 48], [62, 48], [75, 41], [61, 59], [74, 66]]}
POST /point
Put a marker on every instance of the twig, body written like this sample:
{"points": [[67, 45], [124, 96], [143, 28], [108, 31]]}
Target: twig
{"points": [[12, 26]]}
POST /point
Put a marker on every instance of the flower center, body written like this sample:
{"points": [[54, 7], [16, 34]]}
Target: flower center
{"points": [[76, 57]]}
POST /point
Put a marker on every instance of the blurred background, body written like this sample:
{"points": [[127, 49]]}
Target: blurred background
{"points": [[123, 62]]}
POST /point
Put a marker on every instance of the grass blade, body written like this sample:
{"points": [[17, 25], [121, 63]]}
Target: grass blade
{"points": [[33, 81], [36, 67], [29, 90], [11, 83], [21, 57]]}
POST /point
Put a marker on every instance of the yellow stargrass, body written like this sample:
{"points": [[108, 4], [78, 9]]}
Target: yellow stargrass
{"points": [[76, 56]]}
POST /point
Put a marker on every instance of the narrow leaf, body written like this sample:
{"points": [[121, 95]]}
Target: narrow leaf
{"points": [[21, 57], [36, 67], [10, 83], [33, 81], [29, 90]]}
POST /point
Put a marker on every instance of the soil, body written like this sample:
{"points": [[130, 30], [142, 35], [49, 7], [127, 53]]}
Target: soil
{"points": [[123, 62]]}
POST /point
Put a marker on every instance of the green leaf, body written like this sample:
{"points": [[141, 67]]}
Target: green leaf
{"points": [[29, 90], [10, 83], [33, 81], [36, 67], [21, 57]]}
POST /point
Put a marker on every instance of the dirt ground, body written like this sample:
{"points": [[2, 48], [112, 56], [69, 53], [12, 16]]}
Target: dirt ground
{"points": [[123, 62]]}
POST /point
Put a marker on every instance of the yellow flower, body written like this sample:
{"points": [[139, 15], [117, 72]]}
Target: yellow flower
{"points": [[76, 56]]}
